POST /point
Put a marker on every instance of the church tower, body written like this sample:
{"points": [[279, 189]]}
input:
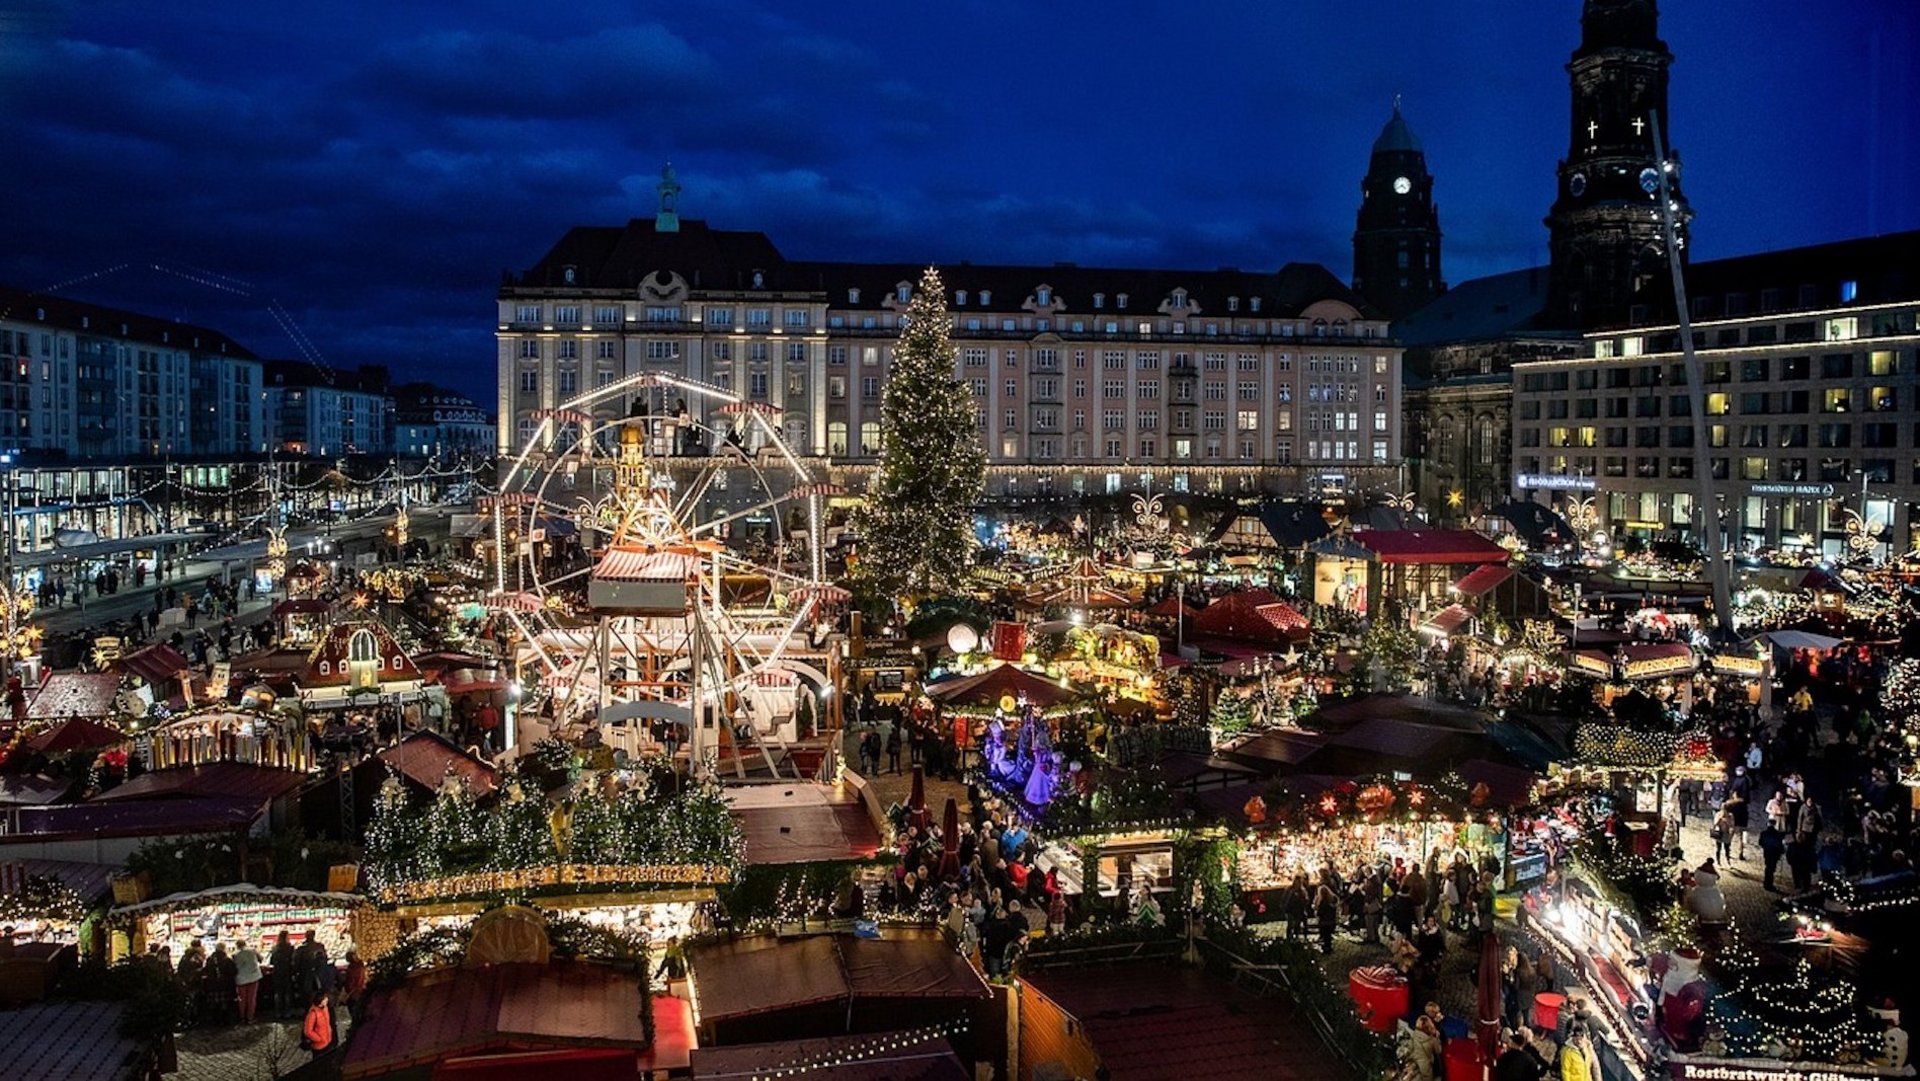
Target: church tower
{"points": [[1396, 242], [1609, 259]]}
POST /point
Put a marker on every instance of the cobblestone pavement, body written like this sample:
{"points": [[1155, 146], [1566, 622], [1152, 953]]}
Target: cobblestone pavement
{"points": [[892, 788], [259, 1052]]}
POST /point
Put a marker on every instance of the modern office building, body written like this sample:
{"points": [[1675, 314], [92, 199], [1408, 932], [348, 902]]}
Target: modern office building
{"points": [[434, 421], [1607, 267], [325, 413], [1088, 380], [1808, 358]]}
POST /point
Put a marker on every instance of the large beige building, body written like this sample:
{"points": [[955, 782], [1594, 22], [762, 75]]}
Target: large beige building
{"points": [[1808, 357], [1088, 380]]}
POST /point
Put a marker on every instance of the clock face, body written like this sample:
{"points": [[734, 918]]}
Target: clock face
{"points": [[1402, 185], [1649, 180], [1577, 184]]}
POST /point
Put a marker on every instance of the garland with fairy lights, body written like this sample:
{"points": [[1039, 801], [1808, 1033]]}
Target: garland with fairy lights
{"points": [[607, 837], [867, 1049], [1796, 1019], [42, 898]]}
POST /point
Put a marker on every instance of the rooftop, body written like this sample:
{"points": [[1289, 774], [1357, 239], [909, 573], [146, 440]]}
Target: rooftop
{"points": [[1156, 1022]]}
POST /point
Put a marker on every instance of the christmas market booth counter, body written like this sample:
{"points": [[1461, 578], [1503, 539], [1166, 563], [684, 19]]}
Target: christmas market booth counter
{"points": [[1324, 822], [1607, 956], [1634, 767], [56, 903], [224, 734], [255, 915]]}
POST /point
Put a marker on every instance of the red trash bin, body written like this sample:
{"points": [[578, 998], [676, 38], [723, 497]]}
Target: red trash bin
{"points": [[1546, 1010], [1464, 1062], [1379, 995]]}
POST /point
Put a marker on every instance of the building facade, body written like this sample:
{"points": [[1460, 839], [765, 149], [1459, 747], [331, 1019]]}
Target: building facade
{"points": [[322, 413], [431, 421], [1087, 380], [1608, 246], [1809, 362], [91, 382], [1396, 239]]}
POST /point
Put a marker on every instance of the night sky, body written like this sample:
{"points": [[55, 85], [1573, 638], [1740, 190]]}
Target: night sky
{"points": [[374, 167]]}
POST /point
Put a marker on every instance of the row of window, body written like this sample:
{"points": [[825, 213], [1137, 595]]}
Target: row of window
{"points": [[1754, 468]]}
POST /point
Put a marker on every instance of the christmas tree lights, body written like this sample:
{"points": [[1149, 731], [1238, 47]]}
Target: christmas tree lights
{"points": [[916, 527]]}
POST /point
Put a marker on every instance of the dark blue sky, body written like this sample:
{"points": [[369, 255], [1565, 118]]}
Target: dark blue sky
{"points": [[374, 167]]}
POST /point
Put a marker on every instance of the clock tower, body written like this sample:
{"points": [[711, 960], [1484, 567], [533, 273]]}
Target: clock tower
{"points": [[1396, 242], [1608, 255]]}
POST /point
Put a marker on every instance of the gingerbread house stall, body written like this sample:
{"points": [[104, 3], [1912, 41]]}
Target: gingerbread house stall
{"points": [[359, 663]]}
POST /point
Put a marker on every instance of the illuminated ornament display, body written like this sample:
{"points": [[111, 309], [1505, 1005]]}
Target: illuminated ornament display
{"points": [[962, 638], [1147, 514], [1862, 535], [400, 526], [276, 555], [19, 638]]}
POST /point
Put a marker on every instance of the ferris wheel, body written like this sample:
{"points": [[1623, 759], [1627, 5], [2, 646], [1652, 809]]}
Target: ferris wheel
{"points": [[658, 547]]}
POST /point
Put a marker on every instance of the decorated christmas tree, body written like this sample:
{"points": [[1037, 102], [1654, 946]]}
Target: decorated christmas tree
{"points": [[916, 527]]}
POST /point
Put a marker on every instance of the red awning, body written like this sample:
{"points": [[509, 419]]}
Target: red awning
{"points": [[635, 565], [1482, 580], [1449, 620], [1432, 547]]}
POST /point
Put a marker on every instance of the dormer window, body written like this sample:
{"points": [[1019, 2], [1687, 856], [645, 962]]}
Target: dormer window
{"points": [[1099, 300], [959, 298], [1253, 304], [1043, 296], [853, 296], [986, 297], [759, 279], [1233, 304], [1120, 300], [363, 661], [903, 292], [1179, 298]]}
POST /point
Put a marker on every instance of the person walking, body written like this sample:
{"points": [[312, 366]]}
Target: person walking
{"points": [[1327, 909], [246, 980], [1773, 844], [1722, 834], [893, 748]]}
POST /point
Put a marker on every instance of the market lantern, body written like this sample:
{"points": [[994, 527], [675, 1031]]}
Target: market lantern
{"points": [[962, 638]]}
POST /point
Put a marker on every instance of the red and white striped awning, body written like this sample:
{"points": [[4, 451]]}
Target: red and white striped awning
{"points": [[774, 677], [509, 499], [640, 565], [823, 593], [824, 488], [513, 602], [573, 416], [734, 409]]}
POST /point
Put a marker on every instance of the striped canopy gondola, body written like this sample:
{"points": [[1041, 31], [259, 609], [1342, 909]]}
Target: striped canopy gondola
{"points": [[734, 409], [513, 602]]}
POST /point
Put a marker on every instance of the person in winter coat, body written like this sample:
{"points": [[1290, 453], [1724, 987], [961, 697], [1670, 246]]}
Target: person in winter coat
{"points": [[1578, 1062], [1773, 844], [1420, 1048], [316, 1034]]}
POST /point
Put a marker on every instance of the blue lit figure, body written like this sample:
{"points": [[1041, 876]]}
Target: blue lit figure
{"points": [[995, 751], [1044, 780]]}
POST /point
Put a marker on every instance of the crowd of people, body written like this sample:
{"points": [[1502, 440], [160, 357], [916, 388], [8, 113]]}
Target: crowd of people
{"points": [[220, 987], [989, 892]]}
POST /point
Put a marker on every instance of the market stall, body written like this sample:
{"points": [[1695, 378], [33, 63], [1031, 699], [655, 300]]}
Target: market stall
{"points": [[252, 914], [1604, 951]]}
